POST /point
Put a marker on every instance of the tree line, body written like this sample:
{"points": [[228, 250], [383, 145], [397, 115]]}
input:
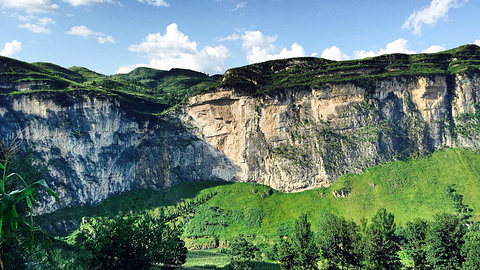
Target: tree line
{"points": [[446, 242]]}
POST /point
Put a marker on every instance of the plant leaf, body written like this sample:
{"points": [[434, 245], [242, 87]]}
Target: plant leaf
{"points": [[3, 168], [21, 194]]}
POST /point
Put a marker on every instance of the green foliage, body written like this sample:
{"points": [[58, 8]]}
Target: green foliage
{"points": [[414, 236], [131, 241], [299, 251], [337, 239], [207, 221], [444, 241], [471, 248], [241, 253], [380, 243], [13, 223]]}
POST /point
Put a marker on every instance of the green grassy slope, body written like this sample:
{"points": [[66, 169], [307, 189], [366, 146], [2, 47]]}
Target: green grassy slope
{"points": [[59, 71], [408, 189]]}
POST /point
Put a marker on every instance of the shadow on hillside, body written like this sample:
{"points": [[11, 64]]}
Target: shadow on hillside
{"points": [[65, 220]]}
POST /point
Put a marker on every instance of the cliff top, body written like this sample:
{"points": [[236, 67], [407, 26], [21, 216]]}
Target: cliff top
{"points": [[309, 72]]}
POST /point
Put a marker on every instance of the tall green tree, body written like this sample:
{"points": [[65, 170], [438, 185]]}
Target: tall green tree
{"points": [[380, 243], [414, 236], [471, 248], [300, 250], [241, 253], [132, 241], [444, 241], [337, 240]]}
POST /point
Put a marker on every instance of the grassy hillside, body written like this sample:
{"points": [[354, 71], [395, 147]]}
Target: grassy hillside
{"points": [[144, 90], [413, 188]]}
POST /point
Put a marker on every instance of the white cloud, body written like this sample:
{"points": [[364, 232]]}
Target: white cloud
{"points": [[477, 42], [259, 48], [77, 3], [86, 32], [157, 3], [11, 48], [334, 53], [39, 25], [430, 15], [30, 6], [35, 28], [360, 54], [398, 46], [434, 49], [175, 50]]}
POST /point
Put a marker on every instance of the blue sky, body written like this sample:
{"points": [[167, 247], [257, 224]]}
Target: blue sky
{"points": [[110, 36]]}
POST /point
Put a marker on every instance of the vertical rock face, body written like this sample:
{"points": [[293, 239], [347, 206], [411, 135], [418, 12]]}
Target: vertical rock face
{"points": [[289, 140], [293, 140], [94, 148]]}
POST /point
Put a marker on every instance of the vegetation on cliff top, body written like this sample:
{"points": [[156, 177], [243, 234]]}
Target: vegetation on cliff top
{"points": [[170, 88], [307, 73]]}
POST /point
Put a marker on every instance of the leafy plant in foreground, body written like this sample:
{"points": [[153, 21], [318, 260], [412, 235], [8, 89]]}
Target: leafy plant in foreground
{"points": [[13, 224]]}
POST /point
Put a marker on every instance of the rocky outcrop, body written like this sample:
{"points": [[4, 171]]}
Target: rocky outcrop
{"points": [[288, 139]]}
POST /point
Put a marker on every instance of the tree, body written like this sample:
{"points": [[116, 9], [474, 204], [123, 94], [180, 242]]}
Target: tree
{"points": [[300, 250], [380, 242], [241, 253], [471, 248], [337, 240], [444, 241], [414, 242], [132, 241]]}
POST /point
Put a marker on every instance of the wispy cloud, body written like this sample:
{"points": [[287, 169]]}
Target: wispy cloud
{"points": [[11, 48], [477, 42], [240, 5], [30, 6], [431, 14], [157, 3], [174, 49], [36, 24], [86, 32], [232, 37]]}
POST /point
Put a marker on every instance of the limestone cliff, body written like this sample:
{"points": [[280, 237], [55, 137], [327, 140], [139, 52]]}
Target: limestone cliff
{"points": [[293, 140], [290, 124]]}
